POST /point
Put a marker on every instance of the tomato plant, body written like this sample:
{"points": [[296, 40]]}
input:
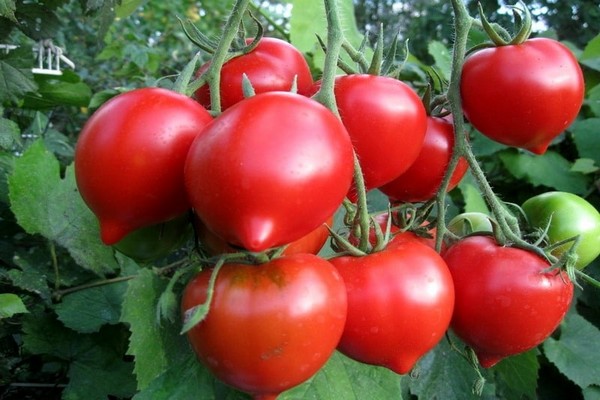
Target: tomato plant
{"points": [[130, 155], [522, 95], [468, 223], [421, 181], [273, 65], [400, 302], [507, 299], [566, 215], [270, 327], [386, 121], [269, 170]]}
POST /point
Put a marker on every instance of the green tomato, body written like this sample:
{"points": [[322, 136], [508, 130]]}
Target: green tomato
{"points": [[154, 241], [566, 215], [470, 222]]}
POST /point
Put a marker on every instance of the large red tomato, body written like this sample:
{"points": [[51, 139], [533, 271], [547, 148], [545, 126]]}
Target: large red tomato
{"points": [[507, 301], [271, 66], [130, 156], [270, 327], [269, 170], [386, 121], [421, 181], [522, 95], [400, 303]]}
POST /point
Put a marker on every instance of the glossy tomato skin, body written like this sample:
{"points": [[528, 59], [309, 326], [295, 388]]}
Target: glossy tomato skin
{"points": [[400, 303], [569, 215], [312, 243], [507, 302], [271, 66], [269, 327], [155, 241], [421, 181], [130, 155], [386, 121], [269, 170], [522, 95]]}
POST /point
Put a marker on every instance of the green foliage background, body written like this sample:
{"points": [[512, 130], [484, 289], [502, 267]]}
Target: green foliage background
{"points": [[78, 319]]}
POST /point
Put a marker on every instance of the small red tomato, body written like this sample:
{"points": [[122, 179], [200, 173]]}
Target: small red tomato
{"points": [[400, 303], [270, 327], [130, 156], [272, 66], [507, 301], [522, 95], [421, 181]]}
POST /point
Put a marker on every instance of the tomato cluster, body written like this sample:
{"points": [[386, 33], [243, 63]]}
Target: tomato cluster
{"points": [[271, 170]]}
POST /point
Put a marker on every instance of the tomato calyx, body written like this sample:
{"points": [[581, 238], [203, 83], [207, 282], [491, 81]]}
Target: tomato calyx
{"points": [[499, 36]]}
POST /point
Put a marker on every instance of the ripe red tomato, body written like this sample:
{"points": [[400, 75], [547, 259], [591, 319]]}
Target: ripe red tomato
{"points": [[386, 121], [400, 303], [270, 327], [312, 243], [130, 155], [421, 181], [506, 300], [269, 170], [271, 66], [522, 95]]}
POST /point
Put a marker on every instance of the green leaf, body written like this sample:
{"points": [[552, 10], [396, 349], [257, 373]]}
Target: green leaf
{"points": [[37, 21], [586, 135], [46, 204], [444, 374], [591, 54], [31, 275], [584, 166], [549, 169], [575, 353], [474, 201], [16, 77], [11, 304], [344, 378], [10, 134], [591, 393], [67, 90], [518, 375], [150, 343], [87, 310], [7, 9], [442, 57], [42, 334], [593, 101], [126, 7]]}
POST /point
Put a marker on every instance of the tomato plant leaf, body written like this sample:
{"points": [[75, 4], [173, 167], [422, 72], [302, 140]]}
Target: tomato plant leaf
{"points": [[518, 375], [575, 352], [16, 77], [7, 9], [11, 304], [9, 134], [442, 58], [474, 201], [31, 275], [87, 310], [93, 379], [585, 134], [440, 366], [591, 54], [46, 204], [344, 378], [549, 169]]}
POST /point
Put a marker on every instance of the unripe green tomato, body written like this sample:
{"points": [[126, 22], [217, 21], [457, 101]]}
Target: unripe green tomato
{"points": [[155, 241], [566, 215], [470, 222]]}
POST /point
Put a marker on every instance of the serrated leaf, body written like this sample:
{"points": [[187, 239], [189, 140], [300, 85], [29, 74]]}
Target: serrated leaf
{"points": [[586, 137], [11, 304], [42, 334], [442, 57], [344, 378], [87, 310], [30, 276], [575, 353], [584, 166], [46, 204], [550, 169], [518, 375], [16, 78], [92, 379], [7, 9], [444, 374]]}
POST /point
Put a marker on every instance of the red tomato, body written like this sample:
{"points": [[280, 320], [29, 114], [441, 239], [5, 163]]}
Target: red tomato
{"points": [[421, 181], [130, 155], [522, 95], [271, 66], [400, 303], [310, 244], [270, 327], [386, 121], [506, 300], [269, 170]]}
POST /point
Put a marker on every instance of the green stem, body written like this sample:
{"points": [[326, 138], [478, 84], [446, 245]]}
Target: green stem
{"points": [[61, 293], [270, 20], [213, 73], [362, 216], [55, 266]]}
